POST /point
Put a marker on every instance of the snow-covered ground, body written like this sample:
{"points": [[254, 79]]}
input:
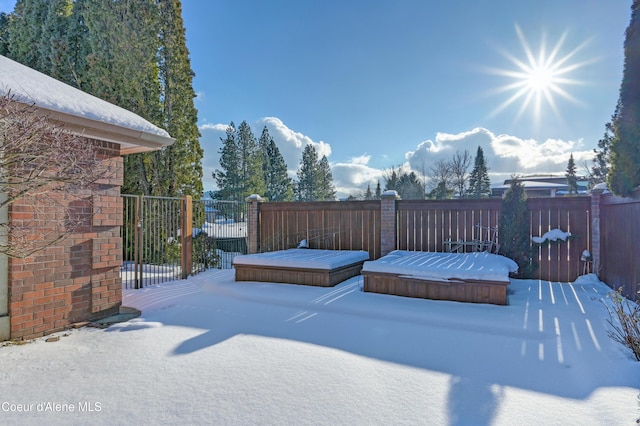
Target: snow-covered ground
{"points": [[209, 350]]}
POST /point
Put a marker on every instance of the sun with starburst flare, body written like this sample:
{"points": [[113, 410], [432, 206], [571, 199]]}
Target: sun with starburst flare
{"points": [[539, 79]]}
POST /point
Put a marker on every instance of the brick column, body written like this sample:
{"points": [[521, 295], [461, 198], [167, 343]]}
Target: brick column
{"points": [[596, 195], [388, 222], [253, 222]]}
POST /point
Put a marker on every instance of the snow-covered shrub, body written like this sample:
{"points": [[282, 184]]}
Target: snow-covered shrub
{"points": [[624, 318]]}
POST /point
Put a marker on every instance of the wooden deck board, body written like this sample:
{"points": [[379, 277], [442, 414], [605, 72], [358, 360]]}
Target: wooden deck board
{"points": [[474, 291], [304, 276]]}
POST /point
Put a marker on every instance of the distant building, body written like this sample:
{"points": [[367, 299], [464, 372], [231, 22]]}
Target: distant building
{"points": [[542, 186]]}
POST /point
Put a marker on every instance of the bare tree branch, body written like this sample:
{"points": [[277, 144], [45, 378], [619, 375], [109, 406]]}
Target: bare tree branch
{"points": [[460, 171], [46, 178]]}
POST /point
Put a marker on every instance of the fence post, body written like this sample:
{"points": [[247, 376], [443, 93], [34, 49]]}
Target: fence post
{"points": [[253, 221], [137, 244], [596, 197], [187, 236], [388, 235]]}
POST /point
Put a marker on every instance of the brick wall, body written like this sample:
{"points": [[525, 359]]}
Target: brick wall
{"points": [[388, 222], [77, 278]]}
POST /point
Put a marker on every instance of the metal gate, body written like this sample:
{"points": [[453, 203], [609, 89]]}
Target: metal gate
{"points": [[169, 238]]}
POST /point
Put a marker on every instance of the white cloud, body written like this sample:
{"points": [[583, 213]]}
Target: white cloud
{"points": [[353, 177], [505, 154], [217, 127], [289, 142]]}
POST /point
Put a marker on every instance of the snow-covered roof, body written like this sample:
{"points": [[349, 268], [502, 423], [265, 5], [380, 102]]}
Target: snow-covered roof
{"points": [[530, 184], [80, 112]]}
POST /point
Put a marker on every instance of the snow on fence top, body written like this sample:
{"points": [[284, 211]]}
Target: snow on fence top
{"points": [[32, 87]]}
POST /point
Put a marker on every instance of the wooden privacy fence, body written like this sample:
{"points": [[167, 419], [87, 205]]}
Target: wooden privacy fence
{"points": [[426, 225], [620, 243], [334, 225]]}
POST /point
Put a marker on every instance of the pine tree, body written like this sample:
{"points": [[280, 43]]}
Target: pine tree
{"points": [[228, 178], [513, 232], [251, 161], [411, 187], [407, 185], [277, 183], [479, 182], [601, 162], [391, 180], [572, 179], [306, 187], [241, 163], [326, 190], [368, 195], [378, 191], [624, 175]]}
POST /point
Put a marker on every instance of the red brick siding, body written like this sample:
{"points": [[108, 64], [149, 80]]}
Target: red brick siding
{"points": [[78, 279]]}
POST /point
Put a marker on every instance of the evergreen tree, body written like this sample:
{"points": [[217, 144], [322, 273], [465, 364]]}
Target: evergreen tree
{"points": [[4, 33], [513, 232], [241, 163], [441, 192], [306, 187], [572, 179], [25, 32], [479, 182], [601, 161], [315, 180], [179, 166], [624, 174], [326, 190], [54, 45], [407, 185], [411, 187], [132, 54], [78, 46], [228, 178], [251, 160], [378, 191], [277, 183], [368, 195]]}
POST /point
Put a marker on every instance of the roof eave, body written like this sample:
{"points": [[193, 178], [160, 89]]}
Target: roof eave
{"points": [[131, 141]]}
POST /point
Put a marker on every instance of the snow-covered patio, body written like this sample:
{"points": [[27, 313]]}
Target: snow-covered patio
{"points": [[209, 350]]}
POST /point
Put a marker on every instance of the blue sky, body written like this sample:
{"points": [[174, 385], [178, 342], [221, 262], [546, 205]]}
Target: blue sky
{"points": [[380, 83], [376, 84]]}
